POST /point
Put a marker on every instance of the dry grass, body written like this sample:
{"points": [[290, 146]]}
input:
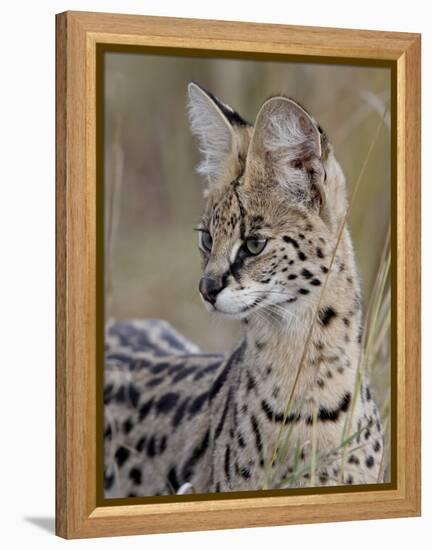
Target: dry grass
{"points": [[374, 362], [375, 355], [375, 358]]}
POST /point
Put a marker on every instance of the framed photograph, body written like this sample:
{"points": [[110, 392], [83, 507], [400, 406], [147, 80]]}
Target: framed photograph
{"points": [[238, 274]]}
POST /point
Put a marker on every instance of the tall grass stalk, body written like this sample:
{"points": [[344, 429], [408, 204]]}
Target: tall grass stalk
{"points": [[325, 282], [372, 330], [112, 203]]}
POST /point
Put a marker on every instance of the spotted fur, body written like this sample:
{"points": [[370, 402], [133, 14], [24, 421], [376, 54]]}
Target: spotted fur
{"points": [[176, 417]]}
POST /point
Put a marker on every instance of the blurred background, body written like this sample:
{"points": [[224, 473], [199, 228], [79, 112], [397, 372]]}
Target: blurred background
{"points": [[153, 197]]}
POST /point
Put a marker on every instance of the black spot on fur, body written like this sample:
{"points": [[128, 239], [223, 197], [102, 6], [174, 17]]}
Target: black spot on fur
{"points": [[133, 395], [224, 414], [302, 256], [323, 477], [173, 480], [345, 403], [359, 429], [155, 381], [332, 415], [227, 463], [151, 447], [251, 382], [235, 358], [353, 460], [120, 396], [319, 252], [315, 282], [162, 444], [145, 409], [195, 456], [245, 472], [160, 367], [121, 456], [290, 240], [303, 291], [306, 273], [180, 412], [326, 315], [270, 413], [136, 476], [107, 393], [293, 417], [324, 269], [377, 446], [108, 481], [197, 403], [203, 371], [258, 439], [241, 441], [141, 443], [183, 373], [167, 402], [108, 432], [127, 426], [292, 276], [370, 461]]}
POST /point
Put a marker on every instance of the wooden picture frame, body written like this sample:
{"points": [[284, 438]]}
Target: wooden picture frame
{"points": [[80, 36]]}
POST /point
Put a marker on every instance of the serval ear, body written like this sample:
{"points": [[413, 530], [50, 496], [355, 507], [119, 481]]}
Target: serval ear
{"points": [[217, 127], [287, 143]]}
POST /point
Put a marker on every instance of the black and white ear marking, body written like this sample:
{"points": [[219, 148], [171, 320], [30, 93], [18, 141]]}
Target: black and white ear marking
{"points": [[213, 123]]}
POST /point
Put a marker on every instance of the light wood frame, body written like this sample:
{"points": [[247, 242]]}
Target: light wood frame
{"points": [[78, 35]]}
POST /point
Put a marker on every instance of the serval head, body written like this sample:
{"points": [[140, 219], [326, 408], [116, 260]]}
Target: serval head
{"points": [[274, 200]]}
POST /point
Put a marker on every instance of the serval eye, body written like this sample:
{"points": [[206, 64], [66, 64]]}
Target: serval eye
{"points": [[205, 241], [255, 246]]}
